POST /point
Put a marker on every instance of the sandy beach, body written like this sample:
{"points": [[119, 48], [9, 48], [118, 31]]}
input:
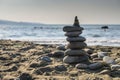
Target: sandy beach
{"points": [[59, 39], [28, 61]]}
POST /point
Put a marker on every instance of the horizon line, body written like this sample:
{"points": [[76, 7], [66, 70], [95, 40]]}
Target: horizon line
{"points": [[56, 23]]}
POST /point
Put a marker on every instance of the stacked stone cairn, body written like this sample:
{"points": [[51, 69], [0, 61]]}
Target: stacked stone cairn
{"points": [[75, 53]]}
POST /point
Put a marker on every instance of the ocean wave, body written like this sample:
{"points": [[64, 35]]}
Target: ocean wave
{"points": [[53, 34]]}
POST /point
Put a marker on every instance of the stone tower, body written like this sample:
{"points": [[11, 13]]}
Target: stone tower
{"points": [[75, 53]]}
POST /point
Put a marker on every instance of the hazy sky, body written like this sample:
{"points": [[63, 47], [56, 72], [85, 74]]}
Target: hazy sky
{"points": [[61, 11]]}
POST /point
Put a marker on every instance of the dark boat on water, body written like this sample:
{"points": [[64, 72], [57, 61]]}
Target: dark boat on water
{"points": [[104, 27]]}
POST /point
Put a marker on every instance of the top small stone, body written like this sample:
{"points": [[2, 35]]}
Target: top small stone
{"points": [[76, 22], [74, 27]]}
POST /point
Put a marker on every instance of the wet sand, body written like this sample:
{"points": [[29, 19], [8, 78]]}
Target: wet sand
{"points": [[19, 59]]}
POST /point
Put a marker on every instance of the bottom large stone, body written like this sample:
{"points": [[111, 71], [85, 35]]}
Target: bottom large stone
{"points": [[75, 59]]}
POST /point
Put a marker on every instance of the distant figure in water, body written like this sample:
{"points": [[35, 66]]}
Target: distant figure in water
{"points": [[76, 22], [105, 28]]}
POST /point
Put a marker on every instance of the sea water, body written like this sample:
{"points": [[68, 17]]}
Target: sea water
{"points": [[53, 34]]}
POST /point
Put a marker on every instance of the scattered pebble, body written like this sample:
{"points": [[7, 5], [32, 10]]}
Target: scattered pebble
{"points": [[42, 70], [19, 61], [25, 76], [61, 47], [102, 54], [115, 67], [81, 66], [58, 54], [89, 51], [60, 68], [95, 66], [115, 73], [34, 65], [45, 58], [108, 60]]}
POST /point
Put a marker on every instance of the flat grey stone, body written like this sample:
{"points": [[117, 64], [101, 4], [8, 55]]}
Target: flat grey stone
{"points": [[81, 66], [76, 39], [57, 53], [45, 58], [72, 28], [73, 34], [108, 60], [74, 59], [60, 68], [76, 45], [95, 66], [61, 47], [71, 52]]}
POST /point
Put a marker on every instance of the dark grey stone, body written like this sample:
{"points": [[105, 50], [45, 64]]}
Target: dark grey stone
{"points": [[75, 59], [60, 68], [73, 34], [46, 58], [89, 51], [76, 39], [72, 28], [57, 54], [25, 76], [71, 52], [81, 66], [95, 66], [61, 47], [42, 70], [76, 45]]}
